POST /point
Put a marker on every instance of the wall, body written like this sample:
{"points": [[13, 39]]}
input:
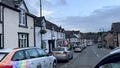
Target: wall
{"points": [[118, 39], [11, 29], [38, 37]]}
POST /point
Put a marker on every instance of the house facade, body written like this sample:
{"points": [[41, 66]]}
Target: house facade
{"points": [[16, 25], [109, 40], [51, 37], [116, 32], [88, 38], [73, 37]]}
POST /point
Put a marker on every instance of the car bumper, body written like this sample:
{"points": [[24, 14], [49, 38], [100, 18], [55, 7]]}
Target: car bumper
{"points": [[62, 57]]}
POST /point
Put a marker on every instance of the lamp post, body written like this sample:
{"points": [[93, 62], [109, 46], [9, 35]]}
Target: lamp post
{"points": [[40, 8], [41, 21]]}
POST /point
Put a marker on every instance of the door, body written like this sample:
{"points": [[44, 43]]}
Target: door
{"points": [[33, 58], [51, 45], [45, 60], [19, 58]]}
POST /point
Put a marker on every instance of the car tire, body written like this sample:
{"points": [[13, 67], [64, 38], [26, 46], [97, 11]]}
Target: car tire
{"points": [[72, 57], [39, 66], [54, 64]]}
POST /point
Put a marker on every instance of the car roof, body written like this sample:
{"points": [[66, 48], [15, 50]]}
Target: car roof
{"points": [[6, 50]]}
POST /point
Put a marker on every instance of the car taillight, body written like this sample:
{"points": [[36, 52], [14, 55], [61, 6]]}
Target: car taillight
{"points": [[64, 52], [6, 67]]}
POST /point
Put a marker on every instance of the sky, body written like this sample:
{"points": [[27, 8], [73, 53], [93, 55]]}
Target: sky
{"points": [[83, 15]]}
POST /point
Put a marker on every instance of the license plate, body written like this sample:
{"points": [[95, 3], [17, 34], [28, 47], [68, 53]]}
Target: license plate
{"points": [[57, 53]]}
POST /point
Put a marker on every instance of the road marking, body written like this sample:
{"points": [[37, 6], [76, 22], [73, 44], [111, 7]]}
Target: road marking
{"points": [[95, 53]]}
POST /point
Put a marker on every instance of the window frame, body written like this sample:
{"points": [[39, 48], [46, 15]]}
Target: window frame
{"points": [[22, 18], [23, 41]]}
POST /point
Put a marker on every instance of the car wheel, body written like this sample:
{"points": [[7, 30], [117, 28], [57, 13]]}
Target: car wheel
{"points": [[54, 64], [72, 57], [39, 66]]}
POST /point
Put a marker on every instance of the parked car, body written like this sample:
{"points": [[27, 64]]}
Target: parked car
{"points": [[63, 53], [99, 45], [26, 58], [112, 60], [77, 49]]}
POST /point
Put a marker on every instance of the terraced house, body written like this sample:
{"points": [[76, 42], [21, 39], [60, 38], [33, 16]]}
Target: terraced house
{"points": [[53, 37], [16, 24]]}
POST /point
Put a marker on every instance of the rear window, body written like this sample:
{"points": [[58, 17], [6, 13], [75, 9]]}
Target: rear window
{"points": [[58, 49], [2, 56]]}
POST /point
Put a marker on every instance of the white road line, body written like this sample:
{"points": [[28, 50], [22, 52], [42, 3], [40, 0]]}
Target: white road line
{"points": [[96, 53]]}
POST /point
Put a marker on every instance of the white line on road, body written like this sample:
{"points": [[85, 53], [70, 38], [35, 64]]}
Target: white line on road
{"points": [[95, 53]]}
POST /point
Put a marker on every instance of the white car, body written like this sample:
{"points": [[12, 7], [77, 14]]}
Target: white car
{"points": [[26, 58]]}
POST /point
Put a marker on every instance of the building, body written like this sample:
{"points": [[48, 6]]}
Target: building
{"points": [[73, 37], [16, 24], [116, 32], [88, 38], [53, 36]]}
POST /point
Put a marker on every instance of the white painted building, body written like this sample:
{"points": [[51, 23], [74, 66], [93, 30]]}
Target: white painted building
{"points": [[51, 36], [16, 25]]}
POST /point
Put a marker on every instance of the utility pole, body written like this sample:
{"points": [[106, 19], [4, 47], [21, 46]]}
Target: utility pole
{"points": [[41, 22], [40, 8]]}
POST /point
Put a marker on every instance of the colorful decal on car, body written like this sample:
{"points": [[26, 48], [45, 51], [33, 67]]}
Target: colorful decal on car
{"points": [[20, 64], [16, 64]]}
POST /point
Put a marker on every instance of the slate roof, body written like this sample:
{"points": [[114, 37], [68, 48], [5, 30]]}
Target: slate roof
{"points": [[49, 25], [89, 35], [70, 34], [115, 27], [38, 20], [14, 3]]}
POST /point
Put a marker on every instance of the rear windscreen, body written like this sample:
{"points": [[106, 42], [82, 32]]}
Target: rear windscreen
{"points": [[58, 49], [2, 56]]}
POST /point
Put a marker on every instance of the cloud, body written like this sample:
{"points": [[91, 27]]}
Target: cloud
{"points": [[101, 18]]}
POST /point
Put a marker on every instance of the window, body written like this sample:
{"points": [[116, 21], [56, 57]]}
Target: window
{"points": [[41, 52], [27, 55], [23, 18], [18, 56], [23, 40], [33, 53]]}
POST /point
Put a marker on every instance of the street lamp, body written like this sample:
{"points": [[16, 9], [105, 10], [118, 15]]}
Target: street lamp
{"points": [[41, 21]]}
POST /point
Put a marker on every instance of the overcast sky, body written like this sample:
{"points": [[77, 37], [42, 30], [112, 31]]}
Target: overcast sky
{"points": [[83, 15]]}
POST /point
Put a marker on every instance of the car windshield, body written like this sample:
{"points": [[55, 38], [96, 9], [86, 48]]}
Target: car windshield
{"points": [[58, 49], [111, 65], [2, 56]]}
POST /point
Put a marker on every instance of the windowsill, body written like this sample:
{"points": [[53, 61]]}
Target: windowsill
{"points": [[23, 26]]}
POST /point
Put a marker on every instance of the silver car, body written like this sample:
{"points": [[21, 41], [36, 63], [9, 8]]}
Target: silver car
{"points": [[77, 49], [63, 53]]}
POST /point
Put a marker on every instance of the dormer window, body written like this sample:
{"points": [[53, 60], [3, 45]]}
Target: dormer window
{"points": [[23, 18]]}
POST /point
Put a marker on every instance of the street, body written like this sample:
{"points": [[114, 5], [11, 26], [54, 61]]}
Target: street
{"points": [[88, 58]]}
